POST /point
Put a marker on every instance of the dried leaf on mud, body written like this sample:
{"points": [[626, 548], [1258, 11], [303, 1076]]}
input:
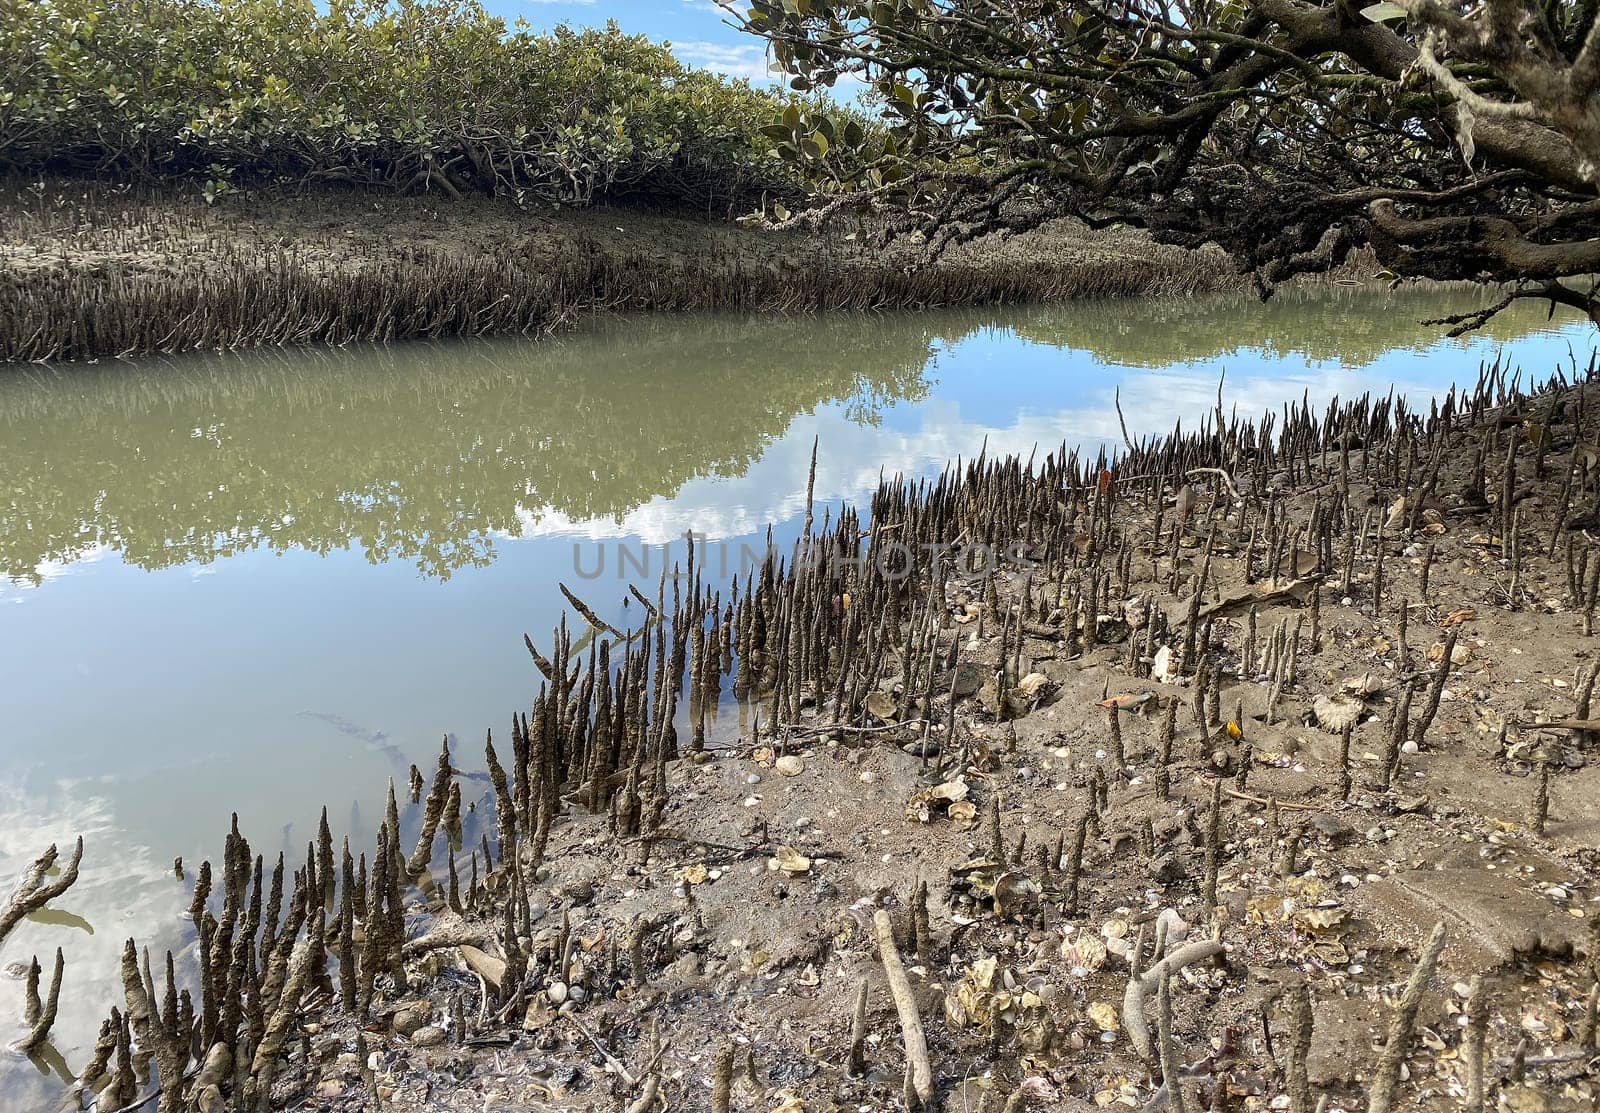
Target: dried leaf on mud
{"points": [[1127, 701]]}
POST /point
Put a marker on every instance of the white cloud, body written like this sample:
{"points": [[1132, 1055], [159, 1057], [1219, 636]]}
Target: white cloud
{"points": [[743, 60]]}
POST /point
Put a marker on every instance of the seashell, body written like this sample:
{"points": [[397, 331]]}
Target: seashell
{"points": [[1087, 952], [1104, 1016], [1336, 712], [1320, 919], [947, 795], [789, 860], [1162, 668], [1365, 686], [1013, 892], [882, 706], [1032, 685]]}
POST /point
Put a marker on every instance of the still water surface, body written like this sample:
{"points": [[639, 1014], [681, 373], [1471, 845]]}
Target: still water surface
{"points": [[266, 583]]}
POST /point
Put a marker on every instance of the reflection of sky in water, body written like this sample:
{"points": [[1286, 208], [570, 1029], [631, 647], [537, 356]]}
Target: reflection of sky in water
{"points": [[141, 706], [1013, 394]]}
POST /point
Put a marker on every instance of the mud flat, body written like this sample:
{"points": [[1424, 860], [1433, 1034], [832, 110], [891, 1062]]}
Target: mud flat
{"points": [[88, 271], [1252, 769]]}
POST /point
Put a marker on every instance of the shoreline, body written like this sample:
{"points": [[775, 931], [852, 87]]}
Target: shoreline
{"points": [[1392, 669], [91, 272]]}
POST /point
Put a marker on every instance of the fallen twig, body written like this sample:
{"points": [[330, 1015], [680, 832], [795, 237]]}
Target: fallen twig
{"points": [[1264, 801], [1233, 491], [611, 1060], [798, 730], [918, 1070]]}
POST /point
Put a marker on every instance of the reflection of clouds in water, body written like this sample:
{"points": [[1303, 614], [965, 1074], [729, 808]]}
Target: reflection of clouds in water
{"points": [[122, 891], [16, 591], [852, 456]]}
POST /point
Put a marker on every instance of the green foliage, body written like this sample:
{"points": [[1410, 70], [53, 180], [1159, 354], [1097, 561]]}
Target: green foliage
{"points": [[411, 95]]}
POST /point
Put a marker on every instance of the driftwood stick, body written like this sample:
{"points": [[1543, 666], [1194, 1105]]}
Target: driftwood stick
{"points": [[611, 1060], [647, 1096], [1233, 492], [919, 1071], [1282, 805], [1386, 1074], [652, 1082], [449, 931]]}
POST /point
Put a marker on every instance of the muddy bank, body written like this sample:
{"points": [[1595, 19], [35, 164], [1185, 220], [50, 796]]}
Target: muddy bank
{"points": [[1300, 710], [88, 272]]}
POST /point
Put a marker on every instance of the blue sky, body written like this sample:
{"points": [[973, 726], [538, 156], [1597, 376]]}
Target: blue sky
{"points": [[697, 29]]}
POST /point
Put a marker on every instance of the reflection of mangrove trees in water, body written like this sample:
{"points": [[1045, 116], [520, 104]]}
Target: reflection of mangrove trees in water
{"points": [[1353, 325], [422, 453], [416, 453]]}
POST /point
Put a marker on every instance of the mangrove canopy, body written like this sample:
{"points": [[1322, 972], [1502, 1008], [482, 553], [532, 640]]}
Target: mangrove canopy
{"points": [[413, 96], [1459, 141]]}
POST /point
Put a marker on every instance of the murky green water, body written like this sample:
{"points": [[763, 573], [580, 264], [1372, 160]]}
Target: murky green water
{"points": [[269, 582]]}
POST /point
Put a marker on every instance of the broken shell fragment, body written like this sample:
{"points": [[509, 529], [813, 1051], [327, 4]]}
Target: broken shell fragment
{"points": [[1013, 893], [941, 797], [1104, 1016], [1085, 954], [1033, 685], [882, 706], [1364, 686], [789, 860]]}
